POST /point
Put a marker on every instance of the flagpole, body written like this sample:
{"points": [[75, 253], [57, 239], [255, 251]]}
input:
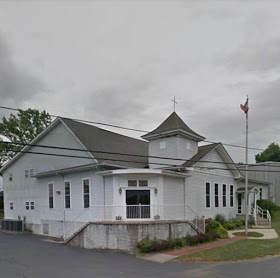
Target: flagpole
{"points": [[246, 175]]}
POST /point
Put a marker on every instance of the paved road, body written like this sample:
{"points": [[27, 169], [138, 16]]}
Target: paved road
{"points": [[27, 256]]}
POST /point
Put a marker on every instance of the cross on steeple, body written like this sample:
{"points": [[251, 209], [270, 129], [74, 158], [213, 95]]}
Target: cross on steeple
{"points": [[175, 102]]}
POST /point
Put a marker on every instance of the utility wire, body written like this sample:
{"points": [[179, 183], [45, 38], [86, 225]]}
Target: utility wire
{"points": [[132, 161], [121, 154], [127, 128]]}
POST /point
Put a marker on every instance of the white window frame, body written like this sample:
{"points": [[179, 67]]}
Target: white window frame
{"points": [[32, 205], [231, 186], [70, 194], [209, 195], [49, 195], [31, 172], [10, 177], [27, 205], [224, 185], [83, 200], [26, 173], [162, 145], [218, 195], [11, 205]]}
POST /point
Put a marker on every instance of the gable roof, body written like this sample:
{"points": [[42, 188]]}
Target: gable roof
{"points": [[202, 151], [173, 124], [97, 139]]}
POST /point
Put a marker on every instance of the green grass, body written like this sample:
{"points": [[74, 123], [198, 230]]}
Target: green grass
{"points": [[240, 250], [250, 234], [1, 213]]}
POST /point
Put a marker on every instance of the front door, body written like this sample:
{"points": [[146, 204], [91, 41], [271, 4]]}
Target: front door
{"points": [[138, 204], [239, 203]]}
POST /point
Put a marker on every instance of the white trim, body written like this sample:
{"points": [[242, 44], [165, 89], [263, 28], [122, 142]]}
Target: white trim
{"points": [[70, 187], [83, 202], [49, 195]]}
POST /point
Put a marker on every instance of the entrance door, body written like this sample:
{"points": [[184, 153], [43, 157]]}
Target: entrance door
{"points": [[138, 204], [239, 203]]}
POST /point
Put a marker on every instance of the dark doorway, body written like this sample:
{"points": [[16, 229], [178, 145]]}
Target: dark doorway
{"points": [[138, 204]]}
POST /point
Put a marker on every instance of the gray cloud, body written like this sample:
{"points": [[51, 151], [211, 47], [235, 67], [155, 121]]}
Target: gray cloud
{"points": [[15, 82]]}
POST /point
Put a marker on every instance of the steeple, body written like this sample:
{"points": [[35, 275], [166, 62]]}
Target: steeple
{"points": [[173, 125], [172, 139]]}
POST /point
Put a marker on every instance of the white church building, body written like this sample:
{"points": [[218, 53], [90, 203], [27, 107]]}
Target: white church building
{"points": [[73, 174]]}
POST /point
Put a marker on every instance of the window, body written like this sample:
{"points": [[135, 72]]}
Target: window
{"points": [[32, 205], [231, 196], [86, 193], [216, 195], [143, 183], [162, 145], [10, 176], [224, 195], [51, 195], [31, 172], [132, 182], [26, 173], [27, 205], [67, 194], [261, 194], [11, 205], [208, 194]]}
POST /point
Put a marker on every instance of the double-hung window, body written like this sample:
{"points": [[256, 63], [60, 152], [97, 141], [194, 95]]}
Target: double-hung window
{"points": [[224, 195], [10, 176], [216, 195], [67, 194], [26, 173], [11, 205], [51, 196], [32, 205], [231, 196], [86, 186], [261, 194], [208, 195], [27, 205]]}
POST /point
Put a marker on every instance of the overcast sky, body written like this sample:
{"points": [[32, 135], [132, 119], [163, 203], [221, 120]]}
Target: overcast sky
{"points": [[121, 62]]}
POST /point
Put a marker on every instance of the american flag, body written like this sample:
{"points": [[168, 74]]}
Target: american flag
{"points": [[245, 107]]}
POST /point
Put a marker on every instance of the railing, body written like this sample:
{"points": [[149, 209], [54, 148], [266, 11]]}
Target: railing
{"points": [[264, 214]]}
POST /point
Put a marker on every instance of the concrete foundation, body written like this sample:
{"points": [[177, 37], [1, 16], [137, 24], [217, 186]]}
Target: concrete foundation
{"points": [[125, 236]]}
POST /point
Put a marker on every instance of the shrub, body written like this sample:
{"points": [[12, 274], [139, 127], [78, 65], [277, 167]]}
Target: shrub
{"points": [[265, 204], [222, 232], [220, 218], [216, 227], [230, 225]]}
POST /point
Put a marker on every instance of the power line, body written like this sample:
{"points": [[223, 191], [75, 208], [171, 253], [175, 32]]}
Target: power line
{"points": [[131, 161], [127, 128], [121, 154]]}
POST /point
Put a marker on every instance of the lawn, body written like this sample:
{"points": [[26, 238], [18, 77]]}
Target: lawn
{"points": [[250, 234], [240, 250]]}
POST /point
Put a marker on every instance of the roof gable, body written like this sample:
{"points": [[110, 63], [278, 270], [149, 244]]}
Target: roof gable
{"points": [[173, 125]]}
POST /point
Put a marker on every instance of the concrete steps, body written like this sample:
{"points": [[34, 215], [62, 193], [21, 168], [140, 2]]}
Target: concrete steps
{"points": [[76, 233], [263, 222]]}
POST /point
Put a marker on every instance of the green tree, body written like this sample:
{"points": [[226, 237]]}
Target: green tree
{"points": [[271, 153], [22, 127]]}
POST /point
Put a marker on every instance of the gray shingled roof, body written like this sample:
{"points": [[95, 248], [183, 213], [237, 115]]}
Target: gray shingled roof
{"points": [[202, 151], [173, 122], [94, 138]]}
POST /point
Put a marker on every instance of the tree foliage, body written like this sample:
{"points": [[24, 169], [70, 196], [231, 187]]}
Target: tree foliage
{"points": [[22, 127], [271, 153]]}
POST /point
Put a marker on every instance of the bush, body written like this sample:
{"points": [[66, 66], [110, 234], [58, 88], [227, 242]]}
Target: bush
{"points": [[230, 225], [265, 204], [220, 218], [216, 227], [155, 245]]}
